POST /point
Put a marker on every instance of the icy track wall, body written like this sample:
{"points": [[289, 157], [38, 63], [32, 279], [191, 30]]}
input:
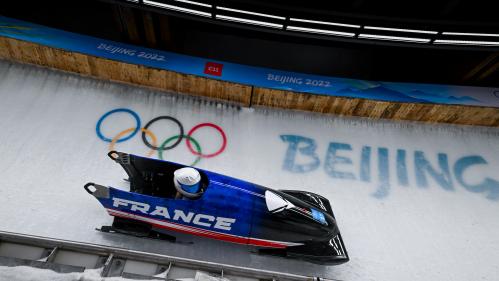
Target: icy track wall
{"points": [[413, 201]]}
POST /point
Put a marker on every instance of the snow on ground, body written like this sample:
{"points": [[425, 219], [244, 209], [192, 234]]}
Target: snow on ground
{"points": [[413, 201], [24, 273]]}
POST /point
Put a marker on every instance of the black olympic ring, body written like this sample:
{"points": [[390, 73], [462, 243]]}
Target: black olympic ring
{"points": [[177, 142]]}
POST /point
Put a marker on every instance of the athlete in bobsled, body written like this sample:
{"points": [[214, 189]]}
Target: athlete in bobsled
{"points": [[167, 197]]}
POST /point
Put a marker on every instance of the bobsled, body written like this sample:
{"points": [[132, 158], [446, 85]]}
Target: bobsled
{"points": [[287, 223]]}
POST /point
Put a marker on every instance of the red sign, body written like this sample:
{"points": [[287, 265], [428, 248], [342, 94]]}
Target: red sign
{"points": [[213, 68]]}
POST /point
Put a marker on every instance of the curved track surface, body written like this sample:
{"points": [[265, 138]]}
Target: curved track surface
{"points": [[413, 201]]}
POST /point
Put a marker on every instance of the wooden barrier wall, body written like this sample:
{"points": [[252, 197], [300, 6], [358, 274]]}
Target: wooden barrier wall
{"points": [[435, 113], [244, 95], [27, 52]]}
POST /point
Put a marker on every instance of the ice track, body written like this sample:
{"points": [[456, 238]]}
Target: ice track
{"points": [[413, 201]]}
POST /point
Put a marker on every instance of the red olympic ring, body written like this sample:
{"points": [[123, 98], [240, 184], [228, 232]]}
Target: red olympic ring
{"points": [[216, 127]]}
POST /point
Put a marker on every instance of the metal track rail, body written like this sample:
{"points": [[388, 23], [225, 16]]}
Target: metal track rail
{"points": [[70, 256]]}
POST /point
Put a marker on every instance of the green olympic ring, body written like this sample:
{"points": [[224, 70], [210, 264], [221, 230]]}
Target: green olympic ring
{"points": [[196, 144]]}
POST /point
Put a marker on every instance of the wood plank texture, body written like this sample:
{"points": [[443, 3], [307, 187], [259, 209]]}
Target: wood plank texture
{"points": [[245, 95], [27, 52], [434, 113]]}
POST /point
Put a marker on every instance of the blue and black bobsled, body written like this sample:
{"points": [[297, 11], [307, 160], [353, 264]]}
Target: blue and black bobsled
{"points": [[289, 223]]}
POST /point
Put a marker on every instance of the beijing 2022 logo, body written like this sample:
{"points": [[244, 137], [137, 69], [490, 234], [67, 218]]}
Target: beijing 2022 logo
{"points": [[168, 144]]}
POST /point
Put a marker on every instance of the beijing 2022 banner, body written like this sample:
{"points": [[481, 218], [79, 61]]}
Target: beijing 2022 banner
{"points": [[249, 75]]}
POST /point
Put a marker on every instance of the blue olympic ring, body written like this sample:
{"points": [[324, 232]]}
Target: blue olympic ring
{"points": [[126, 110]]}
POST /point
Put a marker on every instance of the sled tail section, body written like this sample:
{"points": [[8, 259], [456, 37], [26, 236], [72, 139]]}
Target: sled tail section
{"points": [[135, 176], [123, 225], [97, 190]]}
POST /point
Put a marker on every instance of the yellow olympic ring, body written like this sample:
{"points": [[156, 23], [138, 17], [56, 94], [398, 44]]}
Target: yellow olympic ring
{"points": [[129, 130]]}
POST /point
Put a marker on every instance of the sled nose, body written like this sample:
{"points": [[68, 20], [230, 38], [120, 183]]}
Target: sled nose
{"points": [[338, 246]]}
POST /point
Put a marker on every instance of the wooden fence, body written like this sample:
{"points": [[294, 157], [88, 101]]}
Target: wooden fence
{"points": [[244, 95]]}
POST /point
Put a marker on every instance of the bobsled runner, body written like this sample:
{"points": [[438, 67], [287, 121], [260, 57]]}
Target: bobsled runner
{"points": [[288, 223]]}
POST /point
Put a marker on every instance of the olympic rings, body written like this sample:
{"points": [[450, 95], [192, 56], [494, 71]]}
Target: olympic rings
{"points": [[181, 134], [131, 132], [145, 131], [224, 140], [131, 112], [198, 147]]}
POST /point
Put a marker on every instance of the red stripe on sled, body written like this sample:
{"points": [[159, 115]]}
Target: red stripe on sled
{"points": [[201, 232]]}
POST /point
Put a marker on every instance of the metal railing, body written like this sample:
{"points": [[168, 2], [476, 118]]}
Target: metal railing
{"points": [[70, 256]]}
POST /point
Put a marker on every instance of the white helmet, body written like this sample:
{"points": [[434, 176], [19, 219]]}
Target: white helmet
{"points": [[187, 181]]}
